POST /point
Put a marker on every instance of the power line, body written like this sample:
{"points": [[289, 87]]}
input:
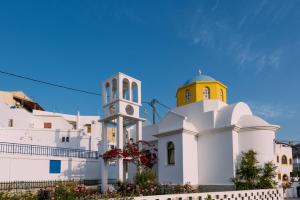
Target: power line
{"points": [[51, 84], [153, 104], [163, 105]]}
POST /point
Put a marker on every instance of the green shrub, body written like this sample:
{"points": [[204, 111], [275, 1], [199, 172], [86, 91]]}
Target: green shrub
{"points": [[250, 176], [43, 194], [144, 178]]}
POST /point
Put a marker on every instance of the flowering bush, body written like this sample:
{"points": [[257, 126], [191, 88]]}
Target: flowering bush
{"points": [[145, 185], [12, 196], [145, 157], [74, 191], [112, 154]]}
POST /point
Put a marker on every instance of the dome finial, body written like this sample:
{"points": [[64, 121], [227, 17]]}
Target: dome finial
{"points": [[199, 72]]}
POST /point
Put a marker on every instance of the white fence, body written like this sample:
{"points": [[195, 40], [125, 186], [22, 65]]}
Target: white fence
{"points": [[275, 194]]}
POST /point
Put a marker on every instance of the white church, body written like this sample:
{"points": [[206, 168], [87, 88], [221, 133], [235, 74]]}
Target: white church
{"points": [[199, 142]]}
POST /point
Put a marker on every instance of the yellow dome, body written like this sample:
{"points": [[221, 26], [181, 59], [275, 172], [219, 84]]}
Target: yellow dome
{"points": [[199, 88]]}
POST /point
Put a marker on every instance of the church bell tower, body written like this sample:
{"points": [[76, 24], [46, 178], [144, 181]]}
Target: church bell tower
{"points": [[121, 102]]}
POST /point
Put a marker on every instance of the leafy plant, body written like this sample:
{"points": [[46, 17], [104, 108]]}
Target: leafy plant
{"points": [[143, 178], [251, 176], [267, 179], [44, 194]]}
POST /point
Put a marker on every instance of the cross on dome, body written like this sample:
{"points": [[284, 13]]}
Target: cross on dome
{"points": [[199, 72]]}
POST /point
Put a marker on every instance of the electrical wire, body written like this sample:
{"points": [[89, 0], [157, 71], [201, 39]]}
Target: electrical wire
{"points": [[163, 105], [71, 88], [51, 84]]}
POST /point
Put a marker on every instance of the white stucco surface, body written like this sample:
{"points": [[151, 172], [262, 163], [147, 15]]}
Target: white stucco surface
{"points": [[209, 137]]}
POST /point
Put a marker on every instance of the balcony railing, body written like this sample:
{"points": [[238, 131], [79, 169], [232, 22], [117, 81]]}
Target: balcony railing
{"points": [[28, 185], [15, 148]]}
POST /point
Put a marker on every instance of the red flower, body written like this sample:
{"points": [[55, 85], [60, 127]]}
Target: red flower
{"points": [[145, 156]]}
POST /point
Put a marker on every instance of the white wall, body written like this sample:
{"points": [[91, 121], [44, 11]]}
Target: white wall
{"points": [[28, 128], [190, 159], [170, 173], [261, 141], [215, 154], [30, 168], [57, 122], [283, 169], [49, 137], [21, 117], [276, 194]]}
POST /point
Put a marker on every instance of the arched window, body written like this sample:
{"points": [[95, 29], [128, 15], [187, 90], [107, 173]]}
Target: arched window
{"points": [[188, 95], [285, 177], [107, 92], [170, 153], [221, 95], [278, 160], [206, 93], [284, 160], [114, 88], [134, 92], [291, 162], [125, 89]]}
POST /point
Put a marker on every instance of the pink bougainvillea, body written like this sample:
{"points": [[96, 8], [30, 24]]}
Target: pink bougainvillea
{"points": [[142, 154]]}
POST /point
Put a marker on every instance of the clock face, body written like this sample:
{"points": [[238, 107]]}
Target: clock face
{"points": [[129, 110], [112, 109]]}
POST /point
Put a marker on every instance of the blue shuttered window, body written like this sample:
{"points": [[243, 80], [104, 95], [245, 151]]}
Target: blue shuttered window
{"points": [[55, 167]]}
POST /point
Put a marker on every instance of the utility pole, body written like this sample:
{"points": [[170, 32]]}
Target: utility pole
{"points": [[153, 106]]}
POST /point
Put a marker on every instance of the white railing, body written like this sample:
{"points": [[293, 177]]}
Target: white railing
{"points": [[273, 194]]}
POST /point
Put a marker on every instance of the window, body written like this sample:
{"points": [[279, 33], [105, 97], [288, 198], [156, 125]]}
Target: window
{"points": [[10, 123], [65, 139], [126, 89], [278, 159], [88, 128], [170, 153], [206, 93], [188, 95], [107, 92], [134, 92], [291, 162], [55, 167], [284, 160], [47, 125], [279, 176], [221, 95]]}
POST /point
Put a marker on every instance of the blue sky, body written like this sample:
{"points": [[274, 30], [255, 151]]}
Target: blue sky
{"points": [[251, 46]]}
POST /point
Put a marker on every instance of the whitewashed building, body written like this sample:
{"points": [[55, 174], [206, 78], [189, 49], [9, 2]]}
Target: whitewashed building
{"points": [[201, 140], [40, 145], [284, 162]]}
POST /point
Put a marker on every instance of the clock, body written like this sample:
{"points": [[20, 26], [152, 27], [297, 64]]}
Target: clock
{"points": [[112, 109], [129, 110]]}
